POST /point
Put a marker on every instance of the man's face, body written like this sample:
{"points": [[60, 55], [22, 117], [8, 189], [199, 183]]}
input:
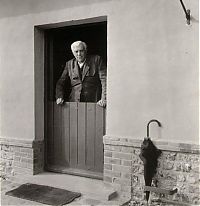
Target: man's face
{"points": [[79, 53]]}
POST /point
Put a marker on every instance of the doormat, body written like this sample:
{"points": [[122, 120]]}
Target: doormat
{"points": [[44, 194]]}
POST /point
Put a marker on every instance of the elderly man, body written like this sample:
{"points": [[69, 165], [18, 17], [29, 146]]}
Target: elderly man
{"points": [[87, 75]]}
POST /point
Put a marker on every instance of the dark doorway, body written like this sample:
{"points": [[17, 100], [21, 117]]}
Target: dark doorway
{"points": [[59, 42], [73, 132]]}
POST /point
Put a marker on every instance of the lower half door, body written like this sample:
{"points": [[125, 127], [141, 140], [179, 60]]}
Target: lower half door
{"points": [[74, 138]]}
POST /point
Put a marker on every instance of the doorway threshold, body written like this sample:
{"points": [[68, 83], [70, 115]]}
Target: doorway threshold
{"points": [[75, 171]]}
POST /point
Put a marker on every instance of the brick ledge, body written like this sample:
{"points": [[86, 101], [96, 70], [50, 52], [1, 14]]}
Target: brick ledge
{"points": [[163, 145], [20, 142]]}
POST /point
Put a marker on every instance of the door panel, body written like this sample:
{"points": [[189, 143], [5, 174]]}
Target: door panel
{"points": [[99, 132], [90, 132], [82, 135], [75, 138], [73, 134], [66, 132]]}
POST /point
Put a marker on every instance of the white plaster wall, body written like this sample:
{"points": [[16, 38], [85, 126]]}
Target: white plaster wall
{"points": [[16, 79], [153, 70], [152, 65]]}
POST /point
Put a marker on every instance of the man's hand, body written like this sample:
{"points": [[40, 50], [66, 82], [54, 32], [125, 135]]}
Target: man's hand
{"points": [[59, 101], [102, 103]]}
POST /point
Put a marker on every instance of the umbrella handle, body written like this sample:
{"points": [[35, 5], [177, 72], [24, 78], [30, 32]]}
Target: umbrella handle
{"points": [[153, 120]]}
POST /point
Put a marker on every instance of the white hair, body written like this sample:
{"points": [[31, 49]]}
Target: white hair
{"points": [[78, 43]]}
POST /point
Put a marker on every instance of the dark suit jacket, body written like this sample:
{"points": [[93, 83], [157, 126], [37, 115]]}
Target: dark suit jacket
{"points": [[88, 87]]}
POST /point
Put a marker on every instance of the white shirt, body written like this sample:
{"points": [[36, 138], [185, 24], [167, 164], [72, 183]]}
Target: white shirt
{"points": [[81, 64]]}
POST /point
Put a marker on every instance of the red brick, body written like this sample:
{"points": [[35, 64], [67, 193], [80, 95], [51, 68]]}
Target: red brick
{"points": [[126, 175], [108, 166], [17, 159], [21, 154], [16, 149], [120, 168], [127, 149], [112, 173], [19, 170], [107, 147], [120, 155], [27, 160], [108, 154], [127, 162], [112, 161], [113, 148], [26, 150]]}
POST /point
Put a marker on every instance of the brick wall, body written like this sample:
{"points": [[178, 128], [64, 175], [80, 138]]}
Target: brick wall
{"points": [[178, 167], [21, 157]]}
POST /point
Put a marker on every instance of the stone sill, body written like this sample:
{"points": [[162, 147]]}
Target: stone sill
{"points": [[162, 145], [19, 142], [117, 141]]}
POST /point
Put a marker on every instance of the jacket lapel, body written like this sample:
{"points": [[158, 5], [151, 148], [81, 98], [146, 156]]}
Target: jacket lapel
{"points": [[76, 72], [85, 70]]}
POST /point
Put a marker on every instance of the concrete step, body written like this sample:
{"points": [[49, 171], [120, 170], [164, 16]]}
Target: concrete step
{"points": [[90, 188], [86, 199], [92, 202], [106, 193]]}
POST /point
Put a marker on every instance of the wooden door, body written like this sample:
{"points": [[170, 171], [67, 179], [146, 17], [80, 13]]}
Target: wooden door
{"points": [[74, 131], [75, 138]]}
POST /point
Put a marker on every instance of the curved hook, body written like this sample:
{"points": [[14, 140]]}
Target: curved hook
{"points": [[153, 120], [187, 13]]}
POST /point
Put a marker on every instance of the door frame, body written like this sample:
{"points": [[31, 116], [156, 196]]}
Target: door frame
{"points": [[40, 78]]}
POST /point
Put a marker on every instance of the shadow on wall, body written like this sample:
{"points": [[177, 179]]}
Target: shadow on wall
{"points": [[9, 8]]}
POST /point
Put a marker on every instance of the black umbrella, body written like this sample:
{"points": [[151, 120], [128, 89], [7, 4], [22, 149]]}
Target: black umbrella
{"points": [[149, 155]]}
